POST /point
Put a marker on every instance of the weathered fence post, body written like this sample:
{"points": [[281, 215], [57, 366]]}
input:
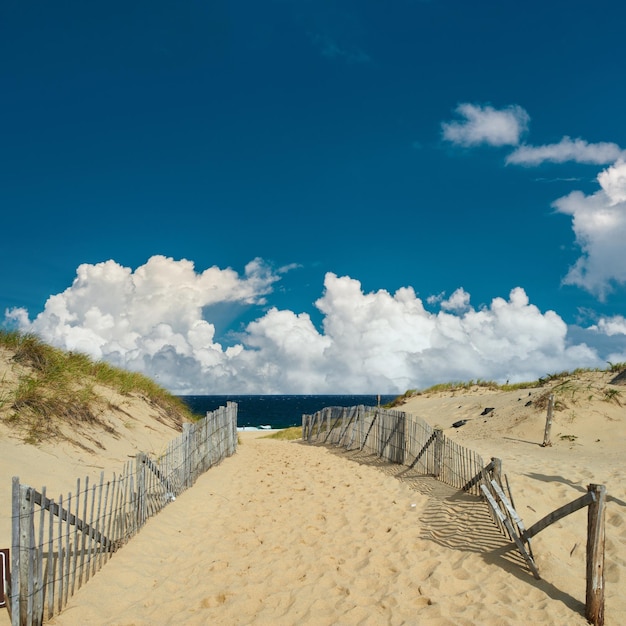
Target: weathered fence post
{"points": [[233, 426], [15, 553], [546, 434], [186, 455], [438, 452], [26, 547], [140, 471], [311, 424], [594, 605]]}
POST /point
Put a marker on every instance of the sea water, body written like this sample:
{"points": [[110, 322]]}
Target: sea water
{"points": [[258, 411]]}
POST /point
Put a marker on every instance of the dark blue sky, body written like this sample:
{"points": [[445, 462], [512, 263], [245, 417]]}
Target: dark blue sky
{"points": [[311, 134]]}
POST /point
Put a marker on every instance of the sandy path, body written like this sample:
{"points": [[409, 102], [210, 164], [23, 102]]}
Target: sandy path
{"points": [[283, 533]]}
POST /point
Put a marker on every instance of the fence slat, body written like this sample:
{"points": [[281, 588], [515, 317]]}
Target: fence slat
{"points": [[27, 529], [514, 536], [60, 559], [50, 564], [68, 557], [83, 535], [75, 540], [39, 586]]}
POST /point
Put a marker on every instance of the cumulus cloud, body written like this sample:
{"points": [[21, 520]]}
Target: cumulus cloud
{"points": [[567, 149], [615, 325], [149, 320], [154, 320], [486, 125], [458, 301], [599, 223], [613, 182]]}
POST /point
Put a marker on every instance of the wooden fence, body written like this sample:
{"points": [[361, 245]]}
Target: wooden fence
{"points": [[405, 439], [58, 546], [398, 437]]}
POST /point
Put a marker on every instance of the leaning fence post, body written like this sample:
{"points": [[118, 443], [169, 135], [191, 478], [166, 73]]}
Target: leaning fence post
{"points": [[546, 434], [594, 601]]}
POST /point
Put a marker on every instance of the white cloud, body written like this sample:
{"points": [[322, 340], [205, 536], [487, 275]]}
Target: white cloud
{"points": [[504, 127], [611, 326], [599, 223], [608, 336], [486, 125], [151, 320], [144, 319], [598, 220], [613, 182], [567, 149], [458, 301]]}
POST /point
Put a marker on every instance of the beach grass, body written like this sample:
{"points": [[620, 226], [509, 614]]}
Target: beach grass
{"points": [[287, 434], [562, 382], [55, 387]]}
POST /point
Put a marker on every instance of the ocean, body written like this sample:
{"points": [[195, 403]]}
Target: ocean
{"points": [[256, 411]]}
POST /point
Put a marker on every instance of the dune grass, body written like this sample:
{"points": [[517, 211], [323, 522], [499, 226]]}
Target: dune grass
{"points": [[287, 434], [563, 385], [55, 386]]}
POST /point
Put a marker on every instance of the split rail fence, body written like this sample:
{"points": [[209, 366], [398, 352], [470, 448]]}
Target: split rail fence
{"points": [[58, 545], [406, 439]]}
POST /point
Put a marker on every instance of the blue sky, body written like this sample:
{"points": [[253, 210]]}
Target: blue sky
{"points": [[316, 196]]}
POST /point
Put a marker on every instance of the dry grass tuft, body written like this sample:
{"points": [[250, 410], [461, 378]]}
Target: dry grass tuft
{"points": [[287, 434]]}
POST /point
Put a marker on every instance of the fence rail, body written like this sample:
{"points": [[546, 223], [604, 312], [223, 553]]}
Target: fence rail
{"points": [[58, 546]]}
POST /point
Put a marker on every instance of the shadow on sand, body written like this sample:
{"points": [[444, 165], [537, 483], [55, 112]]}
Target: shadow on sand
{"points": [[566, 481], [459, 521]]}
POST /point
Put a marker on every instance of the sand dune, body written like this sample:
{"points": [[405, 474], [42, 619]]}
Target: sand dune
{"points": [[285, 533]]}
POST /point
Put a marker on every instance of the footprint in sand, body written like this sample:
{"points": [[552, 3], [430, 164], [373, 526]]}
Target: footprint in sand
{"points": [[213, 601], [422, 599]]}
